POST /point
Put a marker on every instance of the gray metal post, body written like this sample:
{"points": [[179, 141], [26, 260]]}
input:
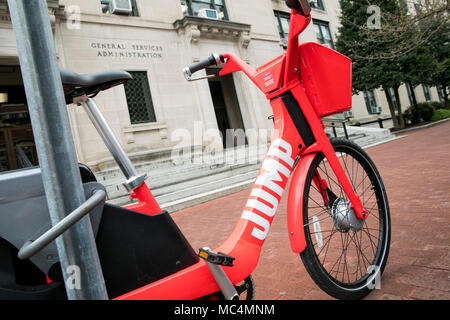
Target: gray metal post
{"points": [[334, 129], [76, 248]]}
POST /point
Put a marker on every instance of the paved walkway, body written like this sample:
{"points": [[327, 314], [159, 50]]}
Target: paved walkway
{"points": [[416, 172]]}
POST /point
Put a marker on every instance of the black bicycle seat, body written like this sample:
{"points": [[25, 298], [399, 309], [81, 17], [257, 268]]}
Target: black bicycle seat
{"points": [[88, 84]]}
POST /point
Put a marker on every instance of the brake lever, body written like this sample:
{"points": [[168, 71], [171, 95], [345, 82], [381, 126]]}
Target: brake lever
{"points": [[188, 75]]}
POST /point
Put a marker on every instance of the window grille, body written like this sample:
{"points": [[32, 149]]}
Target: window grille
{"points": [[139, 99]]}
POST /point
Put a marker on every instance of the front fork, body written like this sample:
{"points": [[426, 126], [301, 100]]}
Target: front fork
{"points": [[360, 211], [324, 146], [322, 186]]}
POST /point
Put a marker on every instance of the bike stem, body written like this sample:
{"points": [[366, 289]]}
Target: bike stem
{"points": [[292, 67], [297, 25]]}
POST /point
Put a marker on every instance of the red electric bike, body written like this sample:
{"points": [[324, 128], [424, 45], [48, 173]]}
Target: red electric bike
{"points": [[338, 213]]}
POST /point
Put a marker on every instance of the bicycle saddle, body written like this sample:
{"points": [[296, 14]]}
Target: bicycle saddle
{"points": [[76, 84]]}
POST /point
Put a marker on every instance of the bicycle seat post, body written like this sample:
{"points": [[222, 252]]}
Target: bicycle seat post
{"points": [[134, 180]]}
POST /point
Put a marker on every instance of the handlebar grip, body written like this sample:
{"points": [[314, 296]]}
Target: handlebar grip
{"points": [[214, 60]]}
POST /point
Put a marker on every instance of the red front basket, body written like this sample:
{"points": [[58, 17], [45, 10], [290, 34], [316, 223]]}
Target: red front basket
{"points": [[327, 78]]}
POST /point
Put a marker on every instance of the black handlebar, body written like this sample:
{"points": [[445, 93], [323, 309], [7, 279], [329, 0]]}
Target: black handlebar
{"points": [[300, 5], [214, 60], [293, 4]]}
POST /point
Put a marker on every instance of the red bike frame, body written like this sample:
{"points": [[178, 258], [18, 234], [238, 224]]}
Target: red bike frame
{"points": [[275, 79]]}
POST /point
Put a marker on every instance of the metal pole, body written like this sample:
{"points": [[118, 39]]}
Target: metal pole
{"points": [[345, 130], [334, 130], [62, 182]]}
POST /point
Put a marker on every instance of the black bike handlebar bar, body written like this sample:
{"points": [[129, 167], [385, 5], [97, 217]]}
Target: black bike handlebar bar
{"points": [[214, 60]]}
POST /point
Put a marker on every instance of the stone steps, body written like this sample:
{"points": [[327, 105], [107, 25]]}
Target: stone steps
{"points": [[188, 184], [211, 194], [170, 184], [203, 183]]}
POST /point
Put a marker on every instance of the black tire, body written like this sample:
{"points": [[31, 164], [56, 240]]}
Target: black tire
{"points": [[363, 266]]}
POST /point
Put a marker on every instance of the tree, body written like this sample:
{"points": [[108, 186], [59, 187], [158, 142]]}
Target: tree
{"points": [[417, 23], [418, 67], [369, 71], [440, 47]]}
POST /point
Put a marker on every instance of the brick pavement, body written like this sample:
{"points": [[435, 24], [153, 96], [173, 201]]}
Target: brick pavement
{"points": [[416, 174]]}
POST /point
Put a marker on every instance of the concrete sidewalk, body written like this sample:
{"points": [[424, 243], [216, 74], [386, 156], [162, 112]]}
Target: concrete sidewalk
{"points": [[416, 173]]}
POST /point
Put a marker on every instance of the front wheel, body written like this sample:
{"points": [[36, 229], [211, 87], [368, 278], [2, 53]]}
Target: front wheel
{"points": [[344, 255]]}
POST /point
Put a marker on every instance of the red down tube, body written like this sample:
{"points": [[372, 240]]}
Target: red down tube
{"points": [[246, 240]]}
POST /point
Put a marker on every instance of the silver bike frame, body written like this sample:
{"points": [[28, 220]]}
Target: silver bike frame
{"points": [[134, 180]]}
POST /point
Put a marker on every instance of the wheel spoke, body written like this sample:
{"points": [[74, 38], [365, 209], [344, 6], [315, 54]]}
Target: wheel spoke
{"points": [[343, 252], [329, 178]]}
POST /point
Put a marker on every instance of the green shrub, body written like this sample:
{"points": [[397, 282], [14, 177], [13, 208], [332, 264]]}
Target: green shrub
{"points": [[425, 113], [440, 114], [441, 105], [408, 115], [446, 105], [426, 110], [437, 105]]}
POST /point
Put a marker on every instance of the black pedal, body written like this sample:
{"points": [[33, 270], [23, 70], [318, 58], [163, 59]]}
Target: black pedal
{"points": [[216, 258]]}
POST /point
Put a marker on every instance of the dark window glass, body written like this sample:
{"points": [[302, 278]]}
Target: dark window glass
{"points": [[426, 92], [282, 21], [139, 98], [417, 6], [318, 4], [410, 97], [391, 93], [323, 33], [440, 94], [371, 102]]}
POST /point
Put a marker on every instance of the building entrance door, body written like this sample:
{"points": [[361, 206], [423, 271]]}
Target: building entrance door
{"points": [[17, 146], [227, 110]]}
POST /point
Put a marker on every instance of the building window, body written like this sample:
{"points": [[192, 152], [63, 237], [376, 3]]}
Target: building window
{"points": [[417, 6], [192, 7], [323, 33], [317, 4], [391, 93], [410, 96], [426, 92], [107, 3], [440, 94], [371, 102], [139, 98], [282, 21]]}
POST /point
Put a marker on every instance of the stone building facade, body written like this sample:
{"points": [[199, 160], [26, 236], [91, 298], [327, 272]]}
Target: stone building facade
{"points": [[154, 44]]}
